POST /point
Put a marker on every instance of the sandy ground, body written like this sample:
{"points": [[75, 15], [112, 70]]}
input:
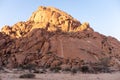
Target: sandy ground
{"points": [[63, 76]]}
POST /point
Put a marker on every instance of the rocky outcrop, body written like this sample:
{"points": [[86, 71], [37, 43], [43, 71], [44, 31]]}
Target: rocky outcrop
{"points": [[55, 18], [53, 39], [48, 18]]}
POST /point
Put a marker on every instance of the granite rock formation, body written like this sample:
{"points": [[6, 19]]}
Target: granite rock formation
{"points": [[52, 38]]}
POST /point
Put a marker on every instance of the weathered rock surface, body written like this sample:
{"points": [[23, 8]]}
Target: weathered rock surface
{"points": [[53, 39], [48, 18]]}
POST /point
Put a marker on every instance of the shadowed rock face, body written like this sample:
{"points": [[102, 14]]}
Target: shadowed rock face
{"points": [[52, 38]]}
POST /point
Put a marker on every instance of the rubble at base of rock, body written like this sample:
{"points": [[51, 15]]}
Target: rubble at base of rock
{"points": [[52, 39]]}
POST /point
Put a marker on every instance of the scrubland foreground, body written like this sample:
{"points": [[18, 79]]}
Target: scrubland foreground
{"points": [[62, 76]]}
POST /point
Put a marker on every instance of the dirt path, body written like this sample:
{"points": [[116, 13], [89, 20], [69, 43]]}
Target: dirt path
{"points": [[63, 76]]}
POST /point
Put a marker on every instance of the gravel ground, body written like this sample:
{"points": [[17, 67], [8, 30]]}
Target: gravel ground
{"points": [[63, 76]]}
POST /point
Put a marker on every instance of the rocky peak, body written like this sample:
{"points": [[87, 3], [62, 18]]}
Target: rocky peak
{"points": [[54, 19], [48, 18]]}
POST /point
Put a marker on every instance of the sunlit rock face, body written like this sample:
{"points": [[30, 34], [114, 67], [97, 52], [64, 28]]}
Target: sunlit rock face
{"points": [[48, 18], [56, 18]]}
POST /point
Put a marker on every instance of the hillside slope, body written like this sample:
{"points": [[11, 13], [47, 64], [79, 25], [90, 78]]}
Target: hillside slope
{"points": [[52, 38]]}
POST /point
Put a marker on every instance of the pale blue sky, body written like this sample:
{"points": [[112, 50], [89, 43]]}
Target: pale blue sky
{"points": [[103, 15]]}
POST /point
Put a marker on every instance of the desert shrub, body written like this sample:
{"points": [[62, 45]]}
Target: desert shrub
{"points": [[65, 67], [36, 71], [85, 68], [28, 67], [28, 75], [73, 71], [40, 71], [104, 62], [102, 66], [1, 68], [55, 69]]}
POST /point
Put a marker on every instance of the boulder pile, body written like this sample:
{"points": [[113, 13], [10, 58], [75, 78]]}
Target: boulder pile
{"points": [[52, 39]]}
